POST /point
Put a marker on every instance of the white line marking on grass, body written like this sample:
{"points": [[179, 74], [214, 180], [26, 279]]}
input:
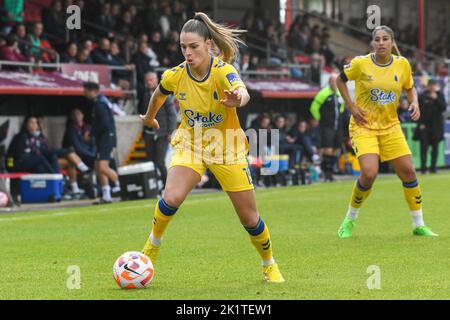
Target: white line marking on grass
{"points": [[271, 191]]}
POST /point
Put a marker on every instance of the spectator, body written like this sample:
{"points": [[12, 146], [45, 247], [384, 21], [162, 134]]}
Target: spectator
{"points": [[102, 54], [313, 132], [70, 55], [287, 142], [54, 20], [78, 136], [120, 77], [302, 138], [154, 59], [30, 151], [37, 43], [142, 61], [157, 141], [83, 56], [157, 44], [126, 25], [404, 114], [165, 21], [104, 132], [419, 70], [105, 18], [431, 124], [87, 44], [20, 32], [150, 16], [10, 52], [174, 55], [12, 14]]}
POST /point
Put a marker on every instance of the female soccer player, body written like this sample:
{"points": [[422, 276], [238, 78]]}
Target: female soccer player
{"points": [[374, 127], [209, 90]]}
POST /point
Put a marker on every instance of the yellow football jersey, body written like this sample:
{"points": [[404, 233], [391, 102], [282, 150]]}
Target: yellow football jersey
{"points": [[378, 89], [202, 115]]}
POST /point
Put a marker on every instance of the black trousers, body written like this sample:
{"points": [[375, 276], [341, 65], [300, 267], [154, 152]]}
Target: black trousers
{"points": [[156, 149], [426, 141], [46, 162]]}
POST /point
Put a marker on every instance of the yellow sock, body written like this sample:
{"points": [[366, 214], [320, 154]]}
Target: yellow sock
{"points": [[413, 195], [163, 214], [359, 195], [260, 237]]}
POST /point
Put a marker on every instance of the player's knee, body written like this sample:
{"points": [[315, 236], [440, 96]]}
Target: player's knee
{"points": [[250, 220], [172, 199], [369, 176], [408, 174]]}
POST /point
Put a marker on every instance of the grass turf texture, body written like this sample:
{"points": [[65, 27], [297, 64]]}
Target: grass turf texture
{"points": [[208, 255]]}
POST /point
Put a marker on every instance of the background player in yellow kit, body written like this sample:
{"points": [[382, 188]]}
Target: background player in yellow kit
{"points": [[209, 90], [375, 128]]}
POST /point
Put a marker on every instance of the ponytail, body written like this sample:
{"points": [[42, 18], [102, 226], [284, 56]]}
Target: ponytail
{"points": [[397, 51], [226, 39]]}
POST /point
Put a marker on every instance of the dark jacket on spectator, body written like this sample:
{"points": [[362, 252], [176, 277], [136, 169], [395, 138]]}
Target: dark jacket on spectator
{"points": [[101, 56], [431, 114], [74, 137], [103, 120], [142, 63], [32, 154]]}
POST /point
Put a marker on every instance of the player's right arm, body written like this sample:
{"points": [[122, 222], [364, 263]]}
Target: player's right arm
{"points": [[165, 88], [156, 101], [350, 72]]}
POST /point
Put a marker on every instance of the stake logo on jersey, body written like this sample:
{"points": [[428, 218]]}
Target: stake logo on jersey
{"points": [[198, 120], [381, 97]]}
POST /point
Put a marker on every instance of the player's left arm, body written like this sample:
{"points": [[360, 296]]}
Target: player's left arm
{"points": [[236, 98], [411, 93], [234, 89]]}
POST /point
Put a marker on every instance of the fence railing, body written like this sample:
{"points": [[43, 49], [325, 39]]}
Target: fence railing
{"points": [[57, 67]]}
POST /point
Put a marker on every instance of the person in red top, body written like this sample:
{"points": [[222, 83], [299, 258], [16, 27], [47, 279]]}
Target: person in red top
{"points": [[10, 52]]}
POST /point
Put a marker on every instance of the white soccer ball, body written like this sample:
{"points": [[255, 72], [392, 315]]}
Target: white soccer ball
{"points": [[3, 199], [133, 270]]}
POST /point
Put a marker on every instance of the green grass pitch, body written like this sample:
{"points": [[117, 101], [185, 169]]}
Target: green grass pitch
{"points": [[207, 254]]}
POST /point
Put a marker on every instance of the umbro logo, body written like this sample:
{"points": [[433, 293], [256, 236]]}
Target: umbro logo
{"points": [[369, 78], [182, 96]]}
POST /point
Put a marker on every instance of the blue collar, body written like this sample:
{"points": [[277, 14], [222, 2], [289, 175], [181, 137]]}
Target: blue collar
{"points": [[372, 56], [207, 75]]}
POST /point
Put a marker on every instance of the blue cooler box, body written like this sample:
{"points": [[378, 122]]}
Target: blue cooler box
{"points": [[35, 188]]}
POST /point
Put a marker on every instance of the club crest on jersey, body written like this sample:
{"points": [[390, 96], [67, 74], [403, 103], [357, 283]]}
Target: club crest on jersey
{"points": [[382, 97], [198, 120], [182, 96]]}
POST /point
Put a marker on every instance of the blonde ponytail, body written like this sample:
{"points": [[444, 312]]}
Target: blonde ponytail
{"points": [[397, 51], [226, 39]]}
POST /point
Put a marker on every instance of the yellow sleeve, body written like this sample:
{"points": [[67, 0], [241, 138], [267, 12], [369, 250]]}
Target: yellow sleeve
{"points": [[352, 70], [229, 78], [409, 81], [168, 81]]}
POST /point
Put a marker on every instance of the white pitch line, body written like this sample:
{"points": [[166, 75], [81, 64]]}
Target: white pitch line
{"points": [[188, 202]]}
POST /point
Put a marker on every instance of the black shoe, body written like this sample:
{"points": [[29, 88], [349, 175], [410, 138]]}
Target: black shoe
{"points": [[101, 201]]}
